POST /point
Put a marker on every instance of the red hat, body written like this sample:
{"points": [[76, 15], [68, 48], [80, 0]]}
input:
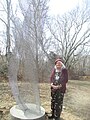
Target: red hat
{"points": [[57, 60]]}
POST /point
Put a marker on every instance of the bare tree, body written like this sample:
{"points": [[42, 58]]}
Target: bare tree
{"points": [[35, 15], [6, 8], [71, 33]]}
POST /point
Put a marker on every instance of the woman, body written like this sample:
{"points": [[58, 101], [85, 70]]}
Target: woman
{"points": [[58, 79]]}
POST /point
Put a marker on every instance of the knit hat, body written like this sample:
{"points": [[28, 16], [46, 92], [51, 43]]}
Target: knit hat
{"points": [[57, 60], [63, 66]]}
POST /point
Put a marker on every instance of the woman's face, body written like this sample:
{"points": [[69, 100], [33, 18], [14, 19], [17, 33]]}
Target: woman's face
{"points": [[59, 65]]}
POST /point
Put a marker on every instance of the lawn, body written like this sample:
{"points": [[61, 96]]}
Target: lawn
{"points": [[76, 100]]}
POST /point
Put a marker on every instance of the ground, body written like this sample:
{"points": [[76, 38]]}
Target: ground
{"points": [[76, 100]]}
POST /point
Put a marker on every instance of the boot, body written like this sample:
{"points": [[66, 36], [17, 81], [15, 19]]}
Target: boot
{"points": [[58, 118], [52, 116]]}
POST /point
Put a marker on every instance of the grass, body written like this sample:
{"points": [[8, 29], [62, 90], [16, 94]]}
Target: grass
{"points": [[76, 100]]}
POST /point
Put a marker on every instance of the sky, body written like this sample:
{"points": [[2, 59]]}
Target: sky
{"points": [[62, 6], [55, 7]]}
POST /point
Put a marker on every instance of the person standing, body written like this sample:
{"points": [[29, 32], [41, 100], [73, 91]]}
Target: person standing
{"points": [[58, 80]]}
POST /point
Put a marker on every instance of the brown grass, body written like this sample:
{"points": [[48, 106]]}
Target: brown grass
{"points": [[76, 100]]}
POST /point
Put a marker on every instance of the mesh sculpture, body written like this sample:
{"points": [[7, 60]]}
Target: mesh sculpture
{"points": [[22, 62], [25, 91]]}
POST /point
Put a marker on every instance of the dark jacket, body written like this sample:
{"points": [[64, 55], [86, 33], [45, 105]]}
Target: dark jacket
{"points": [[63, 78]]}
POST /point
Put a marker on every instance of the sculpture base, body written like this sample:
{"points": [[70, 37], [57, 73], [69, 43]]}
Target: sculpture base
{"points": [[18, 114]]}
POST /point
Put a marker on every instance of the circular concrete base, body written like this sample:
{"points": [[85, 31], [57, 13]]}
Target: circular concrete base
{"points": [[30, 114]]}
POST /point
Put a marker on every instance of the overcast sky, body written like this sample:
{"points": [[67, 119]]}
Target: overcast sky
{"points": [[55, 7], [62, 6]]}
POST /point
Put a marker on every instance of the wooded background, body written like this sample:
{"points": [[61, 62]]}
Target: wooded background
{"points": [[66, 36]]}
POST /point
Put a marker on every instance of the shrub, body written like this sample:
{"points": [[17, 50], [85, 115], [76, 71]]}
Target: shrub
{"points": [[3, 69]]}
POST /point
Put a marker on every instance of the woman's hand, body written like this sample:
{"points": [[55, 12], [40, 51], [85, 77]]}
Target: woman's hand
{"points": [[56, 86], [59, 86]]}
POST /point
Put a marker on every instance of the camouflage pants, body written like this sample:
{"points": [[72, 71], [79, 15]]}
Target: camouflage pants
{"points": [[56, 102]]}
